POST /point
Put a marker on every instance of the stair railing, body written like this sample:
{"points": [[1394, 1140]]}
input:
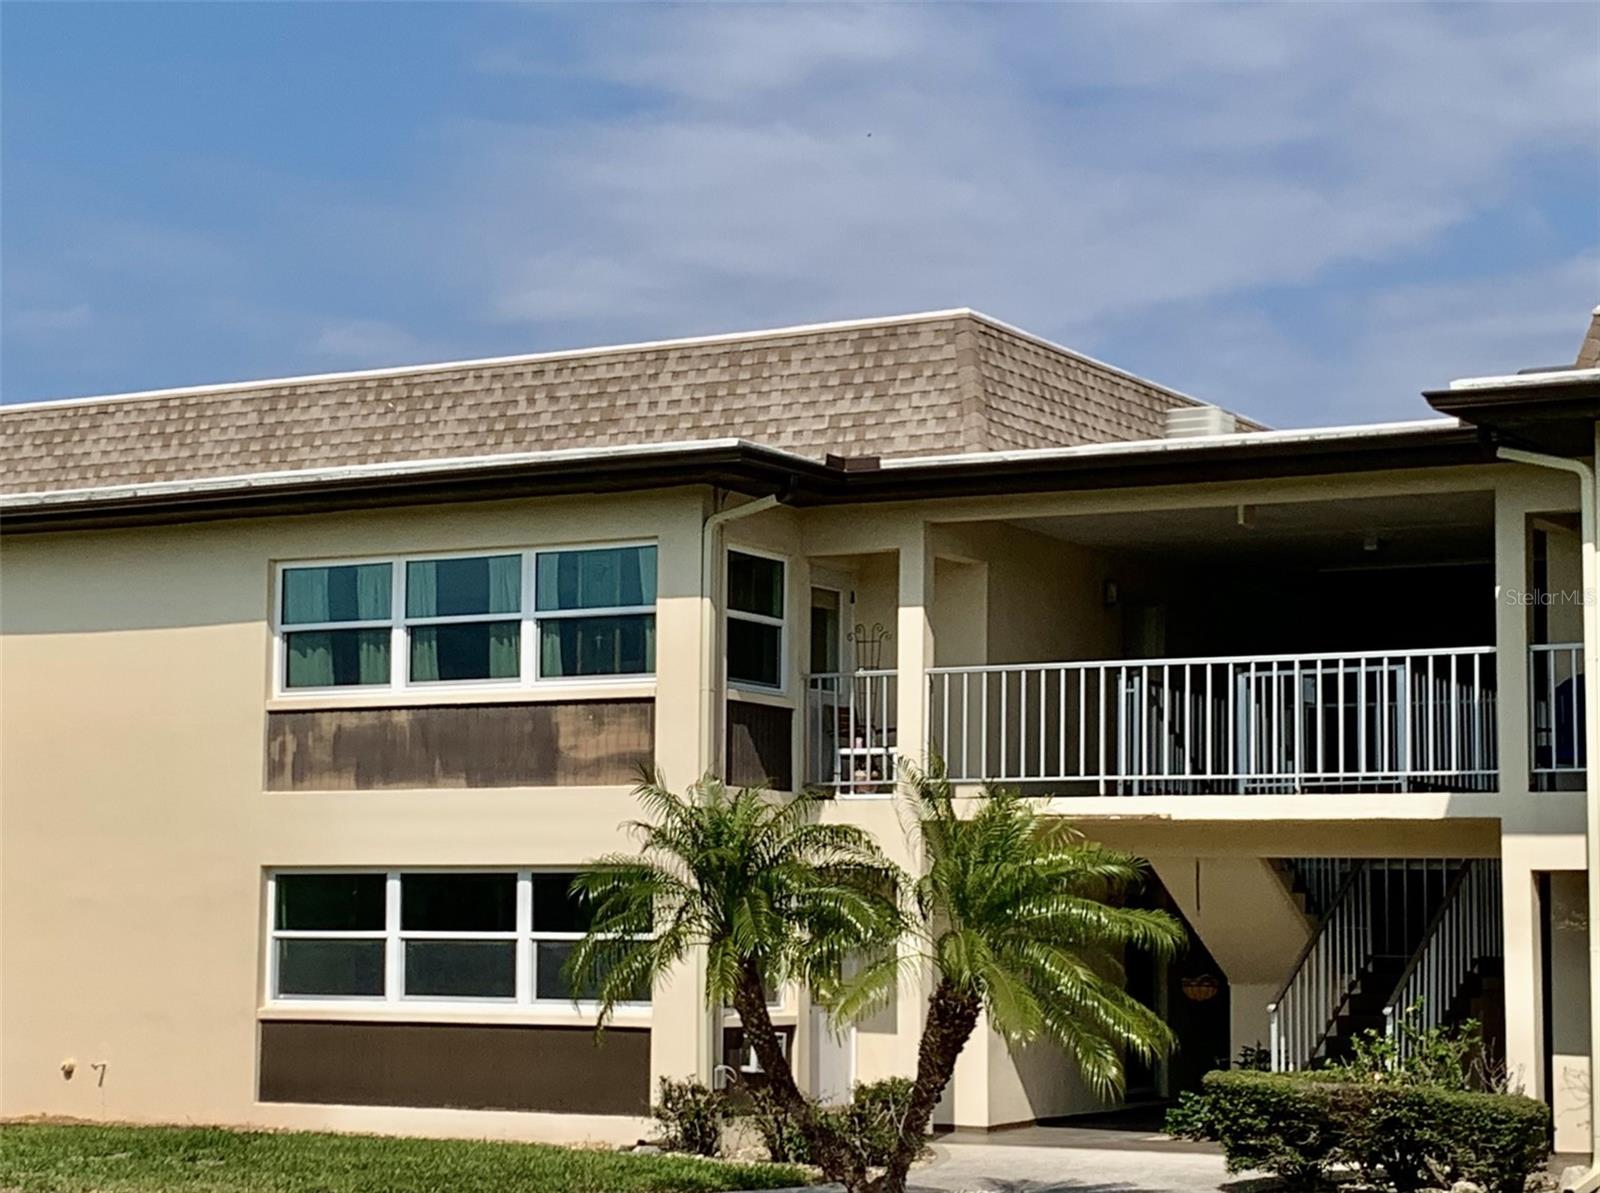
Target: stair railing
{"points": [[1307, 1007], [1466, 930]]}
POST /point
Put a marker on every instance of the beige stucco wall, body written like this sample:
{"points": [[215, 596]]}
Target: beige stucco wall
{"points": [[134, 678], [133, 684]]}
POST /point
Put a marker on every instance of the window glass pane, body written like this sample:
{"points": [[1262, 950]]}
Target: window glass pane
{"points": [[555, 907], [468, 650], [606, 577], [463, 587], [330, 968], [623, 645], [353, 592], [458, 902], [825, 631], [755, 652], [549, 982], [330, 902], [755, 585], [335, 658], [461, 968]]}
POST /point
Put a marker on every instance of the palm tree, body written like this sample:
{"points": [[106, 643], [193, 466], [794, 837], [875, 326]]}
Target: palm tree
{"points": [[1022, 918], [772, 894]]}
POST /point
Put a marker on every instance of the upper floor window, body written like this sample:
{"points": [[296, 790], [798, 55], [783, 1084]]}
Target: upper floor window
{"points": [[336, 625], [464, 618], [482, 936], [504, 618], [755, 620], [596, 611]]}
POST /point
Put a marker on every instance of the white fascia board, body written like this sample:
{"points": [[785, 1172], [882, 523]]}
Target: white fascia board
{"points": [[1553, 378], [1185, 444]]}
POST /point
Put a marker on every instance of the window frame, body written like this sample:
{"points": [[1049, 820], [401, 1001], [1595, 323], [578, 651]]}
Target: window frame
{"points": [[399, 625], [394, 998], [729, 613], [539, 616]]}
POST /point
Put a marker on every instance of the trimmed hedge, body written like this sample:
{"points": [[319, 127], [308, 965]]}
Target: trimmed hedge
{"points": [[1302, 1125]]}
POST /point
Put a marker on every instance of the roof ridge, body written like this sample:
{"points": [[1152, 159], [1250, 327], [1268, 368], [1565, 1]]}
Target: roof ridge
{"points": [[265, 383]]}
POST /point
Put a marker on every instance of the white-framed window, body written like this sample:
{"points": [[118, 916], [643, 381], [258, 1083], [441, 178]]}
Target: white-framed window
{"points": [[484, 937], [755, 620], [493, 619], [336, 624]]}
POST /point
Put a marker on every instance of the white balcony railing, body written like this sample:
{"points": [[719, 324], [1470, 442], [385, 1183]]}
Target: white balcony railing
{"points": [[1380, 721], [1555, 694], [851, 738]]}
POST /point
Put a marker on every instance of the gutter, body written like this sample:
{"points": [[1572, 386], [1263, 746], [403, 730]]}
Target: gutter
{"points": [[1589, 1182]]}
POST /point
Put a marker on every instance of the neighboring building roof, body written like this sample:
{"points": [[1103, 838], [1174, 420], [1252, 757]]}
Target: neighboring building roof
{"points": [[936, 383], [1589, 350]]}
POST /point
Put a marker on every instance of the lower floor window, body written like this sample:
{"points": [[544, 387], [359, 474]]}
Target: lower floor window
{"points": [[500, 936]]}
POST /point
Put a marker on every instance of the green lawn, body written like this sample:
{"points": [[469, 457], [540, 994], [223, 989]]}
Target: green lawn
{"points": [[74, 1158]]}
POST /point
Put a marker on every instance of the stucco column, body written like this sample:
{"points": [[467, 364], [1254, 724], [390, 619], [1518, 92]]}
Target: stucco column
{"points": [[1512, 581], [681, 1042], [914, 655], [1524, 964]]}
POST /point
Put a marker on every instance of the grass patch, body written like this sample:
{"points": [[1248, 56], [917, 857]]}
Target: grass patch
{"points": [[86, 1158]]}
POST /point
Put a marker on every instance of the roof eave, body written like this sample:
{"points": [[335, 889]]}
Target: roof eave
{"points": [[760, 471], [1551, 412]]}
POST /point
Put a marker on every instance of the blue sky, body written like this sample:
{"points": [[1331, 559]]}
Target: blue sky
{"points": [[1306, 212]]}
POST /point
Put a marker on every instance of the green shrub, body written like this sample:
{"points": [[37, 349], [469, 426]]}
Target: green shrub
{"points": [[1401, 1135], [784, 1140], [868, 1126], [1275, 1122], [691, 1117], [871, 1123]]}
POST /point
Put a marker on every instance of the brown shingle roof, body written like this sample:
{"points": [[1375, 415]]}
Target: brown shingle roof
{"points": [[952, 381], [1589, 350]]}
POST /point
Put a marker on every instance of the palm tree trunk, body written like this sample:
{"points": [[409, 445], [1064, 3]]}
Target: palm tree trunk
{"points": [[837, 1162], [750, 1000], [952, 1015]]}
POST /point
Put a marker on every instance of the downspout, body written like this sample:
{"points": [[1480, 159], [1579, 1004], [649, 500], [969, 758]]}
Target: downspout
{"points": [[710, 623], [1590, 1181], [710, 1048]]}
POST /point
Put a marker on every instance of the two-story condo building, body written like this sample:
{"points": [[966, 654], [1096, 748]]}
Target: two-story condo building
{"points": [[316, 691]]}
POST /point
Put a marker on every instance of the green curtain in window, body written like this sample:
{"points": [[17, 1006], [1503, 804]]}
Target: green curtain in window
{"points": [[357, 592], [313, 657], [505, 584], [373, 583], [305, 597], [424, 656], [504, 650], [597, 578], [422, 589]]}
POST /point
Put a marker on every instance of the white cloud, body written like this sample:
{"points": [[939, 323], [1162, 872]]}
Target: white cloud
{"points": [[358, 342], [1067, 168], [41, 322], [1268, 205]]}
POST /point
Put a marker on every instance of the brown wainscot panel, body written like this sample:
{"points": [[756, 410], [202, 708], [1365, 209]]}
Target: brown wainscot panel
{"points": [[760, 746], [562, 1070], [549, 744]]}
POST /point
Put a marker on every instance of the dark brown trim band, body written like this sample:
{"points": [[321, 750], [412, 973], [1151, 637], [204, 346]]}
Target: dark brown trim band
{"points": [[758, 471]]}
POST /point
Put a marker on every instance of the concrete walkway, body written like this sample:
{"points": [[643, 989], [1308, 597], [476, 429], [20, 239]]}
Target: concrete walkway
{"points": [[1073, 1160]]}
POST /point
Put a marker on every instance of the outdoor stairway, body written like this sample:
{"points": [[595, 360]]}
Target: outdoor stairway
{"points": [[1395, 933]]}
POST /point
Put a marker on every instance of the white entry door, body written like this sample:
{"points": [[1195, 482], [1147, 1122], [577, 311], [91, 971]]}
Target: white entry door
{"points": [[833, 1059]]}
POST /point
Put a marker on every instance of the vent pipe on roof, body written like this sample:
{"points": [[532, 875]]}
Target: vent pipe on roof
{"points": [[1186, 421]]}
